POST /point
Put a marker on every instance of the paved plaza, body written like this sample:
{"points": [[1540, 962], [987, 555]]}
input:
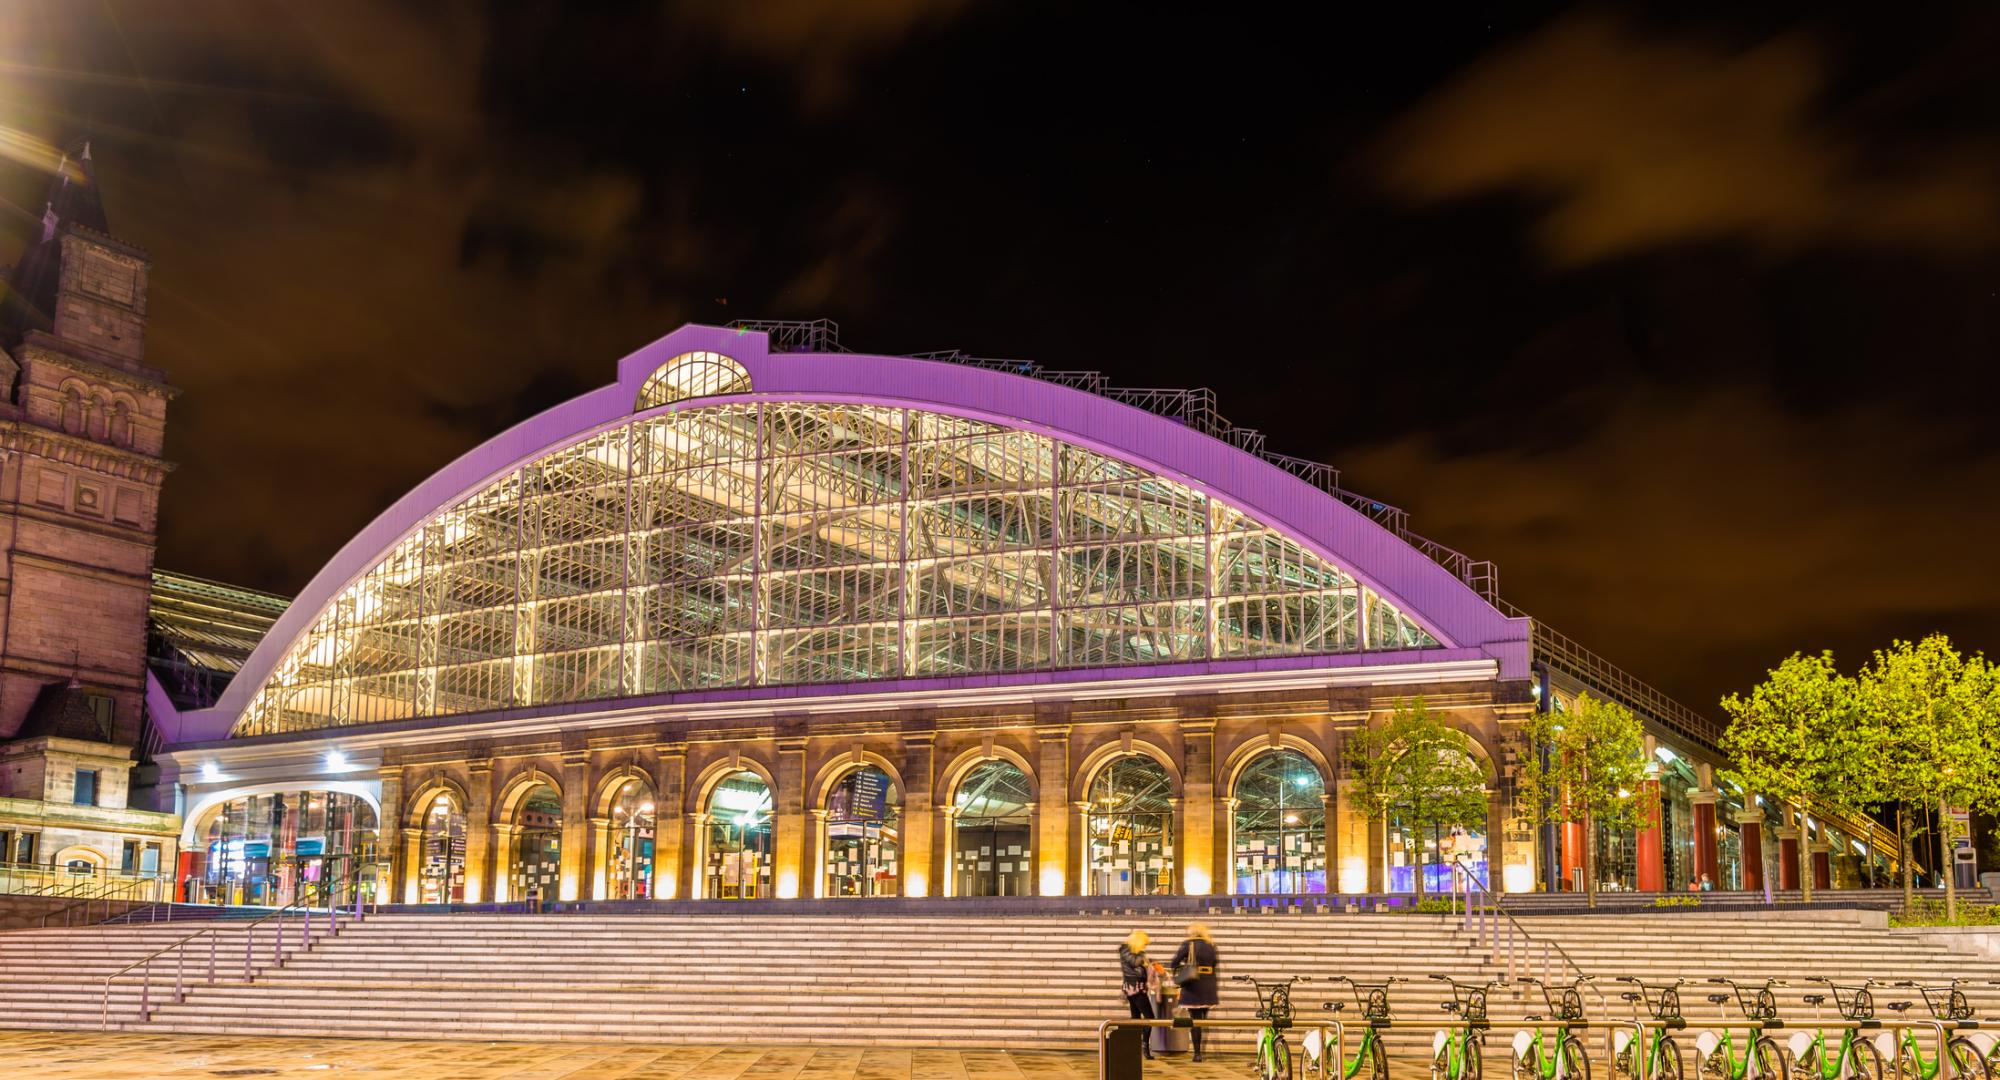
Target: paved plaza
{"points": [[70, 1055]]}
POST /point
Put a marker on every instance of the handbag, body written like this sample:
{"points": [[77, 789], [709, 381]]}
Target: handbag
{"points": [[1190, 969]]}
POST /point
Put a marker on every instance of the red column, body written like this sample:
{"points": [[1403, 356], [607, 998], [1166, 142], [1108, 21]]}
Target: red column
{"points": [[1707, 863], [1752, 837], [1788, 857], [1822, 864], [1572, 853], [1652, 866]]}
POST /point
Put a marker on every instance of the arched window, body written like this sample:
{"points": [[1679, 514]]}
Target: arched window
{"points": [[1280, 825], [1130, 825], [629, 869], [992, 837], [693, 375], [738, 844], [272, 849], [121, 424], [863, 834], [72, 412], [441, 878], [537, 864], [1434, 848]]}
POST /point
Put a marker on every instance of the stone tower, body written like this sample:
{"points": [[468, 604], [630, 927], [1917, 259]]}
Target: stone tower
{"points": [[82, 418]]}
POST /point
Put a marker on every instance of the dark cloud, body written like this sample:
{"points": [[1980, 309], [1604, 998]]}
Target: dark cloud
{"points": [[1698, 426], [1634, 138]]}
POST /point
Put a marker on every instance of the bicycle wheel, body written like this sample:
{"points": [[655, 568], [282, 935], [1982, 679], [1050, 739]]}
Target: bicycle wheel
{"points": [[1575, 1063], [1966, 1063], [1767, 1061], [1528, 1066], [1671, 1066], [1378, 1058], [1473, 1063], [1864, 1062], [1281, 1059]]}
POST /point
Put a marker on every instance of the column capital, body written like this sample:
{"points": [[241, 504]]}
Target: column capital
{"points": [[1708, 797], [671, 747], [1750, 817], [819, 813], [479, 765], [791, 746], [390, 772], [1204, 726], [919, 738], [572, 758], [1052, 731], [600, 822]]}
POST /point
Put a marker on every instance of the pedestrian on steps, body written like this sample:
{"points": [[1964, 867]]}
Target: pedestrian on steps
{"points": [[1134, 971], [1194, 967]]}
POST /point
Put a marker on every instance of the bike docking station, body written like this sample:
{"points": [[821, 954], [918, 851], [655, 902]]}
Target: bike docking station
{"points": [[1643, 1047]]}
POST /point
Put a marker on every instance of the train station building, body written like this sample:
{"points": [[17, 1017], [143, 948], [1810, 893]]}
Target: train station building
{"points": [[766, 618]]}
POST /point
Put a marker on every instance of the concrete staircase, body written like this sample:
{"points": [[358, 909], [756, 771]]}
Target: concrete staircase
{"points": [[895, 980]]}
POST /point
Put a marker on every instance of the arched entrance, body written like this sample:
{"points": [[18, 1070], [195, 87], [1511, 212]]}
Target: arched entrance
{"points": [[535, 872], [1279, 825], [1433, 848], [1130, 829], [738, 843], [992, 832], [861, 834], [628, 870], [441, 875], [272, 849]]}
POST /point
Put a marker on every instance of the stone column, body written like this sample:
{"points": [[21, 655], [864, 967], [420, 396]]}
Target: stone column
{"points": [[479, 868], [919, 868], [602, 845], [1651, 867], [1822, 864], [1225, 847], [1330, 826], [816, 854], [1079, 818], [696, 850], [670, 821], [413, 861], [576, 856], [1198, 870], [946, 863], [506, 841], [788, 855], [1750, 822], [389, 835], [1053, 818]]}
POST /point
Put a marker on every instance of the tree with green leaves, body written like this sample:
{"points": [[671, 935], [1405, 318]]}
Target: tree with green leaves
{"points": [[1797, 739], [1929, 717], [1420, 771], [1585, 765]]}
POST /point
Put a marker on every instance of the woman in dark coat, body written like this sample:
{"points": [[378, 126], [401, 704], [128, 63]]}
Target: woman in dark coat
{"points": [[1199, 996], [1133, 969]]}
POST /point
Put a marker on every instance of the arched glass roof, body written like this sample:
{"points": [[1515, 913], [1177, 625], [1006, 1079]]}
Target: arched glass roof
{"points": [[783, 543], [692, 375]]}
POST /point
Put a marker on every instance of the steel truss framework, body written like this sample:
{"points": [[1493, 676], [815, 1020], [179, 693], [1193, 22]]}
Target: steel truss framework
{"points": [[770, 543]]}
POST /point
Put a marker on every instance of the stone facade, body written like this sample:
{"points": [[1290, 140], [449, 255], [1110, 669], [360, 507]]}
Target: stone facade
{"points": [[1204, 741]]}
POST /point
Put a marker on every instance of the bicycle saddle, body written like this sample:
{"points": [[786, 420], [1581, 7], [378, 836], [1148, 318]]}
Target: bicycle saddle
{"points": [[1899, 1006], [1814, 999], [1533, 1018], [1628, 996], [1449, 1006], [1718, 999], [1334, 1006]]}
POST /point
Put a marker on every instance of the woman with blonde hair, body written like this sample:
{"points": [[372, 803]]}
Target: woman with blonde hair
{"points": [[1133, 968], [1194, 967]]}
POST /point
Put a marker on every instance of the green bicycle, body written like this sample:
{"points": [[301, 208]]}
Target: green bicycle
{"points": [[1373, 998], [1274, 1007], [1663, 1053], [1554, 1053], [1853, 1058], [1948, 1005], [1716, 1058], [1456, 1051]]}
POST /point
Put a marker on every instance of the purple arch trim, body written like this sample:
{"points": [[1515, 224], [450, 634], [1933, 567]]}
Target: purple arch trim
{"points": [[1463, 622]]}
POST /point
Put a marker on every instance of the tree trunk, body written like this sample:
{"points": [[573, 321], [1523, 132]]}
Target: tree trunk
{"points": [[1806, 865], [1947, 842], [1907, 854], [1589, 863]]}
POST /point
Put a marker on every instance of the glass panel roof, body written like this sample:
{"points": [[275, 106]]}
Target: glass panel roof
{"points": [[777, 543]]}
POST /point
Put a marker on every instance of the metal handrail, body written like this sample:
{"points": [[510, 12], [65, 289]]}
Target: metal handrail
{"points": [[104, 895], [1488, 928], [302, 905]]}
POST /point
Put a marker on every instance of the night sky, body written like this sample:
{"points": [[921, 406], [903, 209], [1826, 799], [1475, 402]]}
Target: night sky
{"points": [[1690, 322]]}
